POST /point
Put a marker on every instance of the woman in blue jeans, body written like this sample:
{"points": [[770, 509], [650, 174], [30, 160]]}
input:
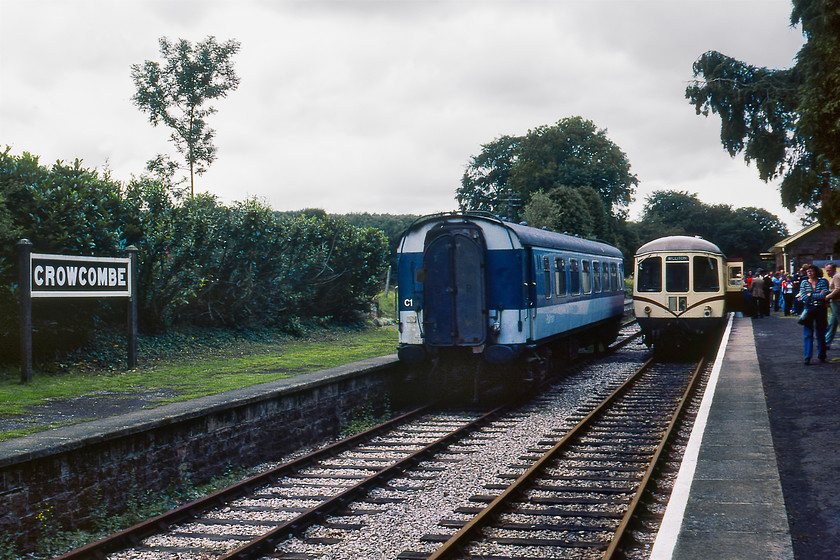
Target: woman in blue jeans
{"points": [[812, 294]]}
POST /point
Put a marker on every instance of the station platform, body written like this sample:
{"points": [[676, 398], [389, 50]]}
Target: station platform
{"points": [[758, 480]]}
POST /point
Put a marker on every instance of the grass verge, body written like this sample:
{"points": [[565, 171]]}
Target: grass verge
{"points": [[199, 363]]}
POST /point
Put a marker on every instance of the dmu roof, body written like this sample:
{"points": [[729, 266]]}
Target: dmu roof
{"points": [[676, 243]]}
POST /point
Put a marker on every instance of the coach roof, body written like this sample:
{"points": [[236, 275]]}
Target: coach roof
{"points": [[543, 238], [679, 243], [527, 236]]}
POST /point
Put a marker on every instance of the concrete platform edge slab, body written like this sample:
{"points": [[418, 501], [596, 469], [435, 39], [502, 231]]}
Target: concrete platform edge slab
{"points": [[678, 537]]}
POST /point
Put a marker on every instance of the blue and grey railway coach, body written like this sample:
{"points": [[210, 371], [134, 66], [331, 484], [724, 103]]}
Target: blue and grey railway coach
{"points": [[486, 287], [680, 289]]}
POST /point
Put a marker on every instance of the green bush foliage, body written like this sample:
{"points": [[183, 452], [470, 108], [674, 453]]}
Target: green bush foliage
{"points": [[200, 262]]}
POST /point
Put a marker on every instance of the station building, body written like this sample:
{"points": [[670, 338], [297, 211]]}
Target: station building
{"points": [[816, 244]]}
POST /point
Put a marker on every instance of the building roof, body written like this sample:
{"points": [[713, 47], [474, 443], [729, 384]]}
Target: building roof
{"points": [[780, 246]]}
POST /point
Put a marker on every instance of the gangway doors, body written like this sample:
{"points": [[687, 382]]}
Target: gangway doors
{"points": [[734, 285], [454, 304]]}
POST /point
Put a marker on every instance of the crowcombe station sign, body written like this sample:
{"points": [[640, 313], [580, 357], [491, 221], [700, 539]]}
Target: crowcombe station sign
{"points": [[67, 276]]}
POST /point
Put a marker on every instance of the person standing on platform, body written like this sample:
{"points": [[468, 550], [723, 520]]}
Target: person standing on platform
{"points": [[833, 298], [798, 278], [748, 305], [768, 294], [787, 294], [812, 295], [757, 295], [777, 291]]}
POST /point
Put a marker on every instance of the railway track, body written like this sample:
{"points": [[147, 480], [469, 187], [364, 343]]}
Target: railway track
{"points": [[337, 488], [578, 494]]}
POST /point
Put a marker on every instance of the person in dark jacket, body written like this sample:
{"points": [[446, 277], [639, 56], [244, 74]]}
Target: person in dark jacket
{"points": [[758, 294], [812, 295]]}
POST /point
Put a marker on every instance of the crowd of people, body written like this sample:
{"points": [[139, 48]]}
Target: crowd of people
{"points": [[808, 294]]}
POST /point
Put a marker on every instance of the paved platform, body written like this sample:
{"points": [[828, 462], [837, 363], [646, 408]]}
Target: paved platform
{"points": [[749, 458]]}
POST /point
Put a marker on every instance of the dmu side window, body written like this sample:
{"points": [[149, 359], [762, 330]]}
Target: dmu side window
{"points": [[596, 277], [676, 274], [706, 275], [614, 277], [560, 277], [574, 277], [547, 276], [585, 277], [649, 275]]}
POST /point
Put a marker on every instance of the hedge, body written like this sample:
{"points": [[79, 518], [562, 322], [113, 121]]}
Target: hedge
{"points": [[200, 262]]}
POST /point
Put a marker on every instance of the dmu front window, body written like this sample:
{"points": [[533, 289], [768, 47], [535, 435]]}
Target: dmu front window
{"points": [[706, 275], [649, 275], [676, 273]]}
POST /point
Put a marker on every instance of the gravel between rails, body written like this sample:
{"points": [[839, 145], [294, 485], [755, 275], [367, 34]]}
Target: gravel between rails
{"points": [[399, 526], [396, 517]]}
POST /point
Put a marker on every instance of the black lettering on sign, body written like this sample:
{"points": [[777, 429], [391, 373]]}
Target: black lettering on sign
{"points": [[66, 276]]}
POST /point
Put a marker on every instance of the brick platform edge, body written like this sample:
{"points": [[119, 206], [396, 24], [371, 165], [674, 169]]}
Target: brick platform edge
{"points": [[62, 476]]}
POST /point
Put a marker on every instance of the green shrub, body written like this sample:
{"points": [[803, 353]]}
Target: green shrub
{"points": [[200, 262]]}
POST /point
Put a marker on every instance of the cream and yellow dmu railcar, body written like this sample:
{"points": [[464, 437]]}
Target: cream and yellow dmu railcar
{"points": [[681, 289]]}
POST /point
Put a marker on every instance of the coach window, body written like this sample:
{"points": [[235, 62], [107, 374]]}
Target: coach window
{"points": [[585, 277], [706, 275], [547, 275], [605, 276], [649, 275], [614, 277], [574, 277], [676, 273], [560, 277], [596, 276]]}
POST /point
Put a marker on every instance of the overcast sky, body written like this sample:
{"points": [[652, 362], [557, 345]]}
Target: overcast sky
{"points": [[377, 106]]}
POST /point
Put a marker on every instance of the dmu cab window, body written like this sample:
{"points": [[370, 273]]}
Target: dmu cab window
{"points": [[649, 275], [560, 277], [706, 275], [585, 277], [574, 277], [596, 276], [676, 273]]}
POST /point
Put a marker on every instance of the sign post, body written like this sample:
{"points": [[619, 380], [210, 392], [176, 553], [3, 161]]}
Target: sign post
{"points": [[61, 276], [24, 254], [132, 308]]}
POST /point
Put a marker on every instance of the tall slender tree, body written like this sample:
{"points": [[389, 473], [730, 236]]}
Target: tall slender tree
{"points": [[786, 120], [176, 94]]}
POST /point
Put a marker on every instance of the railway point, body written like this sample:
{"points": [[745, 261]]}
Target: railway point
{"points": [[759, 477]]}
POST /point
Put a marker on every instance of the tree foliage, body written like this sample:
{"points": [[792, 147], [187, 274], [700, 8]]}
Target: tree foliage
{"points": [[176, 94], [785, 120], [573, 153], [392, 225], [739, 232], [200, 262], [486, 184]]}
